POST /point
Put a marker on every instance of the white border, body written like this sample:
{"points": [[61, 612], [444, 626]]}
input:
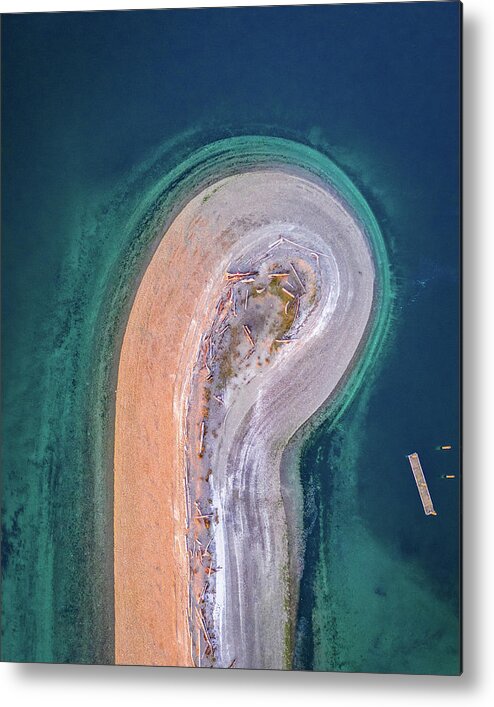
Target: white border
{"points": [[64, 5]]}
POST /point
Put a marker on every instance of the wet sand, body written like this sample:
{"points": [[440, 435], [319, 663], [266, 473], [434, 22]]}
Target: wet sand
{"points": [[263, 219]]}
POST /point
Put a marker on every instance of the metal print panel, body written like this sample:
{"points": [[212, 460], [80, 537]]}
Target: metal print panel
{"points": [[230, 326]]}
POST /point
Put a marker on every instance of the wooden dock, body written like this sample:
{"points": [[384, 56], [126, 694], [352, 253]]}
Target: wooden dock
{"points": [[418, 474]]}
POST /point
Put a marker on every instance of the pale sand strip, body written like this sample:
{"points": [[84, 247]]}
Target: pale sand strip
{"points": [[160, 341], [171, 311]]}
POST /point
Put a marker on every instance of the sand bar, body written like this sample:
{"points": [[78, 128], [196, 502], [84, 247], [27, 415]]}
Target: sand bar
{"points": [[251, 226]]}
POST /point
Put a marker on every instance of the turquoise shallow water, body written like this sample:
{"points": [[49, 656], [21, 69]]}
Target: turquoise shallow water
{"points": [[88, 146]]}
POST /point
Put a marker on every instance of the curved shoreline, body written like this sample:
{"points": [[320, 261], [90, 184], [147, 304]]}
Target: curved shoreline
{"points": [[250, 153], [121, 658]]}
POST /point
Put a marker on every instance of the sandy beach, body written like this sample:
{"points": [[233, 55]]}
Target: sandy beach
{"points": [[249, 314]]}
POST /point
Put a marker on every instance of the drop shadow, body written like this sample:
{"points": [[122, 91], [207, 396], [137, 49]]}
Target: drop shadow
{"points": [[474, 41], [271, 682]]}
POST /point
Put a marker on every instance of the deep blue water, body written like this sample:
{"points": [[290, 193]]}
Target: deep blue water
{"points": [[86, 98]]}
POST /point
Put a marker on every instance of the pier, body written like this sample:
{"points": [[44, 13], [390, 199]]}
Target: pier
{"points": [[423, 489]]}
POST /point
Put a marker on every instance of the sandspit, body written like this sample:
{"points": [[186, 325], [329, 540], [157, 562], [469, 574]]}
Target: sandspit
{"points": [[247, 318]]}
